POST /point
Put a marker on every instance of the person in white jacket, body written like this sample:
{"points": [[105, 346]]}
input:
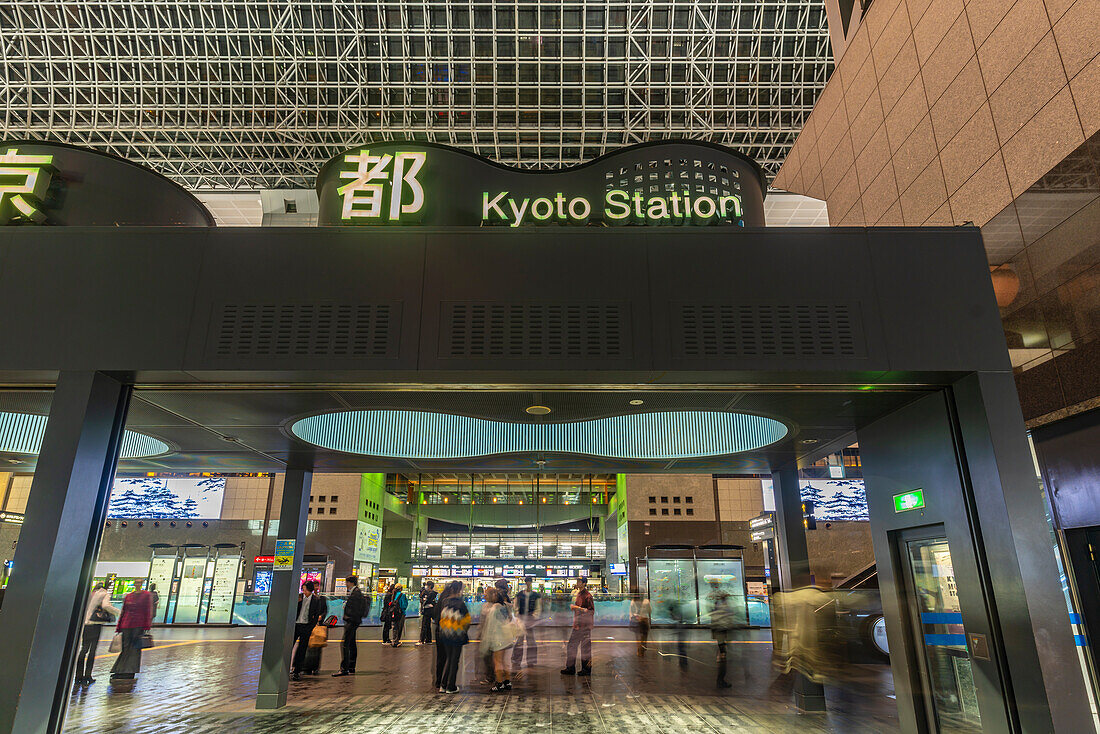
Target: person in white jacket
{"points": [[98, 613]]}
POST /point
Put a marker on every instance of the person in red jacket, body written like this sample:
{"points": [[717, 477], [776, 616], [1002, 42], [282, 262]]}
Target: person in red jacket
{"points": [[133, 623]]}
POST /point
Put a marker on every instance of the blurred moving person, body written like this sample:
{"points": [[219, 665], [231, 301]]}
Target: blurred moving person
{"points": [[497, 635], [355, 608], [584, 615], [454, 625], [133, 624], [721, 622], [428, 598], [528, 607], [641, 615], [99, 612]]}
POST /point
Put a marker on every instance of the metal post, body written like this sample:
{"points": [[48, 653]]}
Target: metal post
{"points": [[282, 606], [44, 604], [794, 566]]}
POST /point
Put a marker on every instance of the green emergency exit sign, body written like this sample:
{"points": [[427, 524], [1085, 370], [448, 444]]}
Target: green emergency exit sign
{"points": [[909, 500]]}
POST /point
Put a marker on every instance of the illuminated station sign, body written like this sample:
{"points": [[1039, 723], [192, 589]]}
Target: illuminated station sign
{"points": [[671, 183]]}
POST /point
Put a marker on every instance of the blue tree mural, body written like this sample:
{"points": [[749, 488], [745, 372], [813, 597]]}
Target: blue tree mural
{"points": [[836, 499], [153, 498]]}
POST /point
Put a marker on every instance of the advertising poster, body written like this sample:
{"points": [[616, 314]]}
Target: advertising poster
{"points": [[368, 542], [284, 555]]}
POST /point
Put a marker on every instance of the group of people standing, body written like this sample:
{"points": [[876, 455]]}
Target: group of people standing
{"points": [[394, 604], [505, 623]]}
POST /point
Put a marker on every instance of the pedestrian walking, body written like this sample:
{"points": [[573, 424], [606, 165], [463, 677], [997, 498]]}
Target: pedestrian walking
{"points": [[528, 608], [98, 613], [428, 597], [721, 622], [355, 608], [580, 639], [454, 625], [133, 627], [641, 615], [498, 633]]}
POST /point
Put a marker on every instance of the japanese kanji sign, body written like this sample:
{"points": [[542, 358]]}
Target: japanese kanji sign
{"points": [[364, 195], [24, 180]]}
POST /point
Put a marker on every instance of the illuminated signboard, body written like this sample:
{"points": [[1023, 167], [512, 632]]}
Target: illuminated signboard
{"points": [[664, 183], [24, 180], [57, 184], [618, 569], [909, 501]]}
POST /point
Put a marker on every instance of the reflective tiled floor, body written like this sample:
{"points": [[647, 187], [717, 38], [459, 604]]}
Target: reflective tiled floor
{"points": [[204, 681]]}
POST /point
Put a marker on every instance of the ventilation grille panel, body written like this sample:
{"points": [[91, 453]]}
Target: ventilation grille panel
{"points": [[767, 330], [483, 330], [357, 330]]}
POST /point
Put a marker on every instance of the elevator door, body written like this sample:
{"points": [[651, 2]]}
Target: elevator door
{"points": [[951, 697]]}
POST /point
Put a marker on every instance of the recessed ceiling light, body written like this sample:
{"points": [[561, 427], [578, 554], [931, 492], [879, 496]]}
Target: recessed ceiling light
{"points": [[636, 402], [809, 440], [538, 410]]}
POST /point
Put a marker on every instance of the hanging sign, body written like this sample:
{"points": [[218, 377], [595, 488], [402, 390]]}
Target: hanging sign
{"points": [[284, 555], [666, 183]]}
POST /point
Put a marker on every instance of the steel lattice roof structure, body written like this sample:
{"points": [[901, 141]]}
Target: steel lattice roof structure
{"points": [[258, 93]]}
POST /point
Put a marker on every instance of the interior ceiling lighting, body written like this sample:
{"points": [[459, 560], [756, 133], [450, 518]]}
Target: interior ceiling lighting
{"points": [[636, 402], [407, 434], [21, 433], [538, 410]]}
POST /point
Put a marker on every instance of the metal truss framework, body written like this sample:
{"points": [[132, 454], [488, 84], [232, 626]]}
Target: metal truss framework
{"points": [[258, 93]]}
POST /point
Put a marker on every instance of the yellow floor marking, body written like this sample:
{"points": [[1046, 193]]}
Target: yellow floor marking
{"points": [[159, 647]]}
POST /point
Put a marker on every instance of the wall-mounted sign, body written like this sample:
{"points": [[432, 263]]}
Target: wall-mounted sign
{"points": [[368, 542], [57, 184], [12, 517], [264, 559], [909, 500], [661, 183], [284, 555]]}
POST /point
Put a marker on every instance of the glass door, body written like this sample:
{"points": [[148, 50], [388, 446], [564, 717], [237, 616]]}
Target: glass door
{"points": [[951, 699]]}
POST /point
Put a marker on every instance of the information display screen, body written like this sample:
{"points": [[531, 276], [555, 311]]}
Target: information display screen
{"points": [[161, 571], [223, 590]]}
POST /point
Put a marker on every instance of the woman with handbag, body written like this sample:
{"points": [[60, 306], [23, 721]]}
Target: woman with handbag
{"points": [[98, 613], [499, 631], [133, 628]]}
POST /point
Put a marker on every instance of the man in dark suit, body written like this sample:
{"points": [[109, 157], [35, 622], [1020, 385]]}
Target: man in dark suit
{"points": [[355, 608], [311, 612]]}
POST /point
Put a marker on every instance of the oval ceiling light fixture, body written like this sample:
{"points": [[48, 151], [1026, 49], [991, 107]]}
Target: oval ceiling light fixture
{"points": [[636, 402], [538, 410], [408, 434], [21, 433]]}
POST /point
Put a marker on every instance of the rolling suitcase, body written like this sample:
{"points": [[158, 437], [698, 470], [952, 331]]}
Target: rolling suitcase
{"points": [[311, 663]]}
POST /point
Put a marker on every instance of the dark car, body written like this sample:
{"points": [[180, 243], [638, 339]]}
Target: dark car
{"points": [[859, 612]]}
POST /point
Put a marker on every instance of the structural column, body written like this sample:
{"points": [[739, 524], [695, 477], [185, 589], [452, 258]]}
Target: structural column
{"points": [[283, 605], [1017, 548], [794, 566], [43, 610]]}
